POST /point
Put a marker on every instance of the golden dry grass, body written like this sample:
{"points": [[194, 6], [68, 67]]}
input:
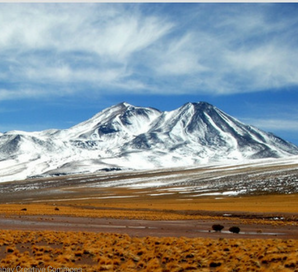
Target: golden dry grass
{"points": [[116, 252], [143, 199], [96, 212], [170, 207]]}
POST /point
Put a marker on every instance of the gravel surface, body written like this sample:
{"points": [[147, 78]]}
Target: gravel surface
{"points": [[142, 228]]}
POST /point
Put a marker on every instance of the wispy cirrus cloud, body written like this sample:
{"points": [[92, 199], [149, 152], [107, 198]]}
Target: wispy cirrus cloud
{"points": [[49, 49], [278, 116], [78, 44], [276, 124]]}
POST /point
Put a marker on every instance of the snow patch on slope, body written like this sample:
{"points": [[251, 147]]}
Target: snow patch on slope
{"points": [[128, 137]]}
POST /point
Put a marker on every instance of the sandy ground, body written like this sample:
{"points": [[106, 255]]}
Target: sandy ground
{"points": [[89, 193], [143, 228]]}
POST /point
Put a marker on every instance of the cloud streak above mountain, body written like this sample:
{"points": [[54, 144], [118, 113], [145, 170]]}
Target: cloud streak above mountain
{"points": [[64, 49], [75, 59]]}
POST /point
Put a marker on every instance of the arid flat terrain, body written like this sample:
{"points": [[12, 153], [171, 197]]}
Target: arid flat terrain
{"points": [[66, 217]]}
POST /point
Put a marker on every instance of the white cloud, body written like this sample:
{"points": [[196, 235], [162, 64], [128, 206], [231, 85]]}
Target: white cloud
{"points": [[268, 66], [90, 43], [16, 94], [180, 57], [274, 124], [209, 48], [127, 35]]}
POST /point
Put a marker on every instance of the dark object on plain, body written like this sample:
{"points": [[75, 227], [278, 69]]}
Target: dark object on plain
{"points": [[217, 227], [234, 229]]}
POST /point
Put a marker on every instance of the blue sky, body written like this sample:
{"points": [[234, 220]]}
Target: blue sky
{"points": [[63, 63]]}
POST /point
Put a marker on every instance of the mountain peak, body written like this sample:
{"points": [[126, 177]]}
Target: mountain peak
{"points": [[199, 105], [124, 105], [204, 104]]}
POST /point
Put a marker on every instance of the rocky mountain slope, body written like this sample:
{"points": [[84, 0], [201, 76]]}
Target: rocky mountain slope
{"points": [[128, 137]]}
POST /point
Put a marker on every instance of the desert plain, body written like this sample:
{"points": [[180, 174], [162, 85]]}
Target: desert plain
{"points": [[153, 221]]}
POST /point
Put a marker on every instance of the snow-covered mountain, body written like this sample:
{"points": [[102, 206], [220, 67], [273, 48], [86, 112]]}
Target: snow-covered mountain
{"points": [[128, 137]]}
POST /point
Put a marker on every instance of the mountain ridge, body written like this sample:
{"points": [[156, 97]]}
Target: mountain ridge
{"points": [[124, 136]]}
